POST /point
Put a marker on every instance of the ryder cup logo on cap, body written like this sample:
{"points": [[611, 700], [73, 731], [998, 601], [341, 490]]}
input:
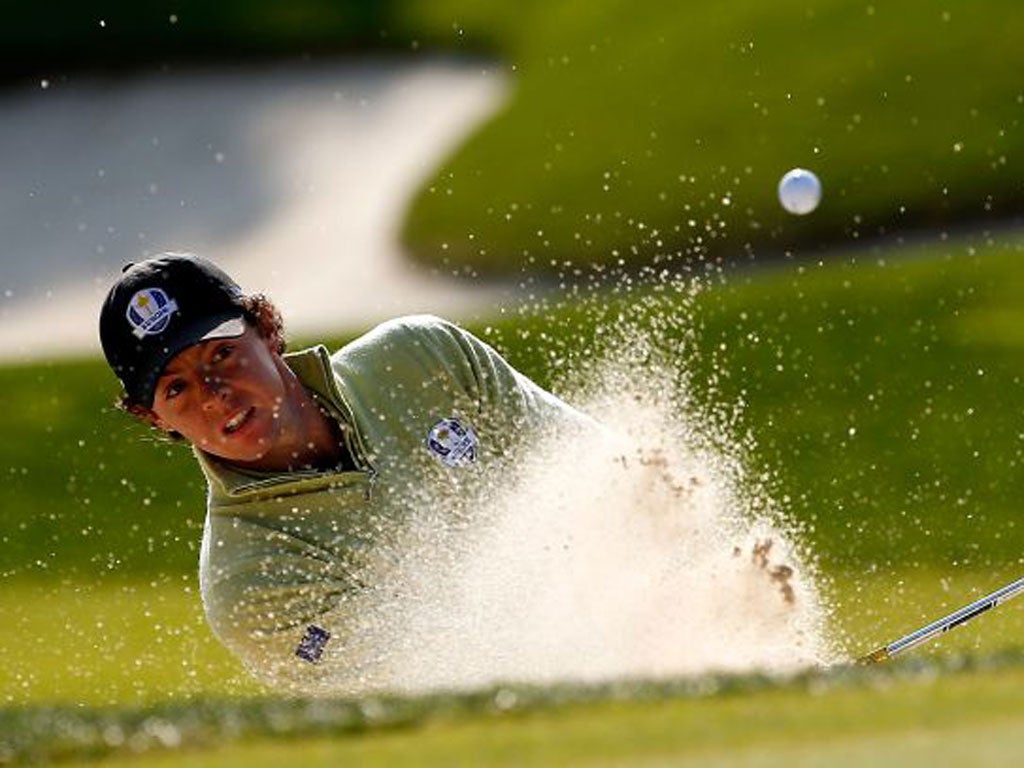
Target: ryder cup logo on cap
{"points": [[149, 312], [451, 443]]}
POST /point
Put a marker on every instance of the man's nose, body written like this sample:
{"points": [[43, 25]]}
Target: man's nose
{"points": [[215, 389]]}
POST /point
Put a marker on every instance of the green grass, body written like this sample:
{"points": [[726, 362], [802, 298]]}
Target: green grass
{"points": [[901, 715], [125, 641], [626, 130], [87, 491], [886, 394]]}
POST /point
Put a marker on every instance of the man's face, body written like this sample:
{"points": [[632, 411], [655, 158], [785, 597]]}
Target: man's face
{"points": [[224, 396]]}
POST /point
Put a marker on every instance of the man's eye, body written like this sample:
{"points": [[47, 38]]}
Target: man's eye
{"points": [[222, 353]]}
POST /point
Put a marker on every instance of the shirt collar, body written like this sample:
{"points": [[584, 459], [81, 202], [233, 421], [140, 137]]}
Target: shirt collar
{"points": [[312, 366]]}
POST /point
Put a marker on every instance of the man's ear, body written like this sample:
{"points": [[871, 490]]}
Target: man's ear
{"points": [[149, 416], [269, 342], [158, 423]]}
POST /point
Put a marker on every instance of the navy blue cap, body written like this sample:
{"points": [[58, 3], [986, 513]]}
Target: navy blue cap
{"points": [[159, 307]]}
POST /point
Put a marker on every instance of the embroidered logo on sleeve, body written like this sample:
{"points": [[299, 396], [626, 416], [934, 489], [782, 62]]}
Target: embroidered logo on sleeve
{"points": [[311, 647], [150, 311], [452, 443]]}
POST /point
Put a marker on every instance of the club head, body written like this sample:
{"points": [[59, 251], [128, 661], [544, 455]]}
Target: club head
{"points": [[875, 657]]}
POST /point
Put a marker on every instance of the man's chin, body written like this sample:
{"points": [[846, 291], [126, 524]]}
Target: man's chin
{"points": [[237, 453]]}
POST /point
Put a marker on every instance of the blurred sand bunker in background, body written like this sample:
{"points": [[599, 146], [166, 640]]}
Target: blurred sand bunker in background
{"points": [[294, 179]]}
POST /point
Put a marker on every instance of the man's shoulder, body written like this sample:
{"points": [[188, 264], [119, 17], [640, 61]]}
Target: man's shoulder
{"points": [[406, 335], [406, 327]]}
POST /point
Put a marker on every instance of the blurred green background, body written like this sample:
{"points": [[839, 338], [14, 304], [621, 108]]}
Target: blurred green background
{"points": [[878, 373], [639, 132]]}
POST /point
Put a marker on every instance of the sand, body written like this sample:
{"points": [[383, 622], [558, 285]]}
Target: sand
{"points": [[293, 178]]}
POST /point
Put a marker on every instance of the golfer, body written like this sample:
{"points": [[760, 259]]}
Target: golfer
{"points": [[317, 464]]}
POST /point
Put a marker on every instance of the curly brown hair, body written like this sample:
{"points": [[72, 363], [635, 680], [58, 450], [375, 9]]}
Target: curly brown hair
{"points": [[259, 312], [266, 319]]}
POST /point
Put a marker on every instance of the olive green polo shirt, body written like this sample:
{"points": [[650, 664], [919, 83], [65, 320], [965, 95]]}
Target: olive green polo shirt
{"points": [[295, 566]]}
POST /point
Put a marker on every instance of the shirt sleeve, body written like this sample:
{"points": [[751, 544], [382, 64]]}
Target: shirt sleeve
{"points": [[442, 354]]}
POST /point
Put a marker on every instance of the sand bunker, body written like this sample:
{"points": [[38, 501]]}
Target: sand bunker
{"points": [[293, 178]]}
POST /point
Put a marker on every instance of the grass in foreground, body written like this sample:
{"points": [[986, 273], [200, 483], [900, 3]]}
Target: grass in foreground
{"points": [[905, 714]]}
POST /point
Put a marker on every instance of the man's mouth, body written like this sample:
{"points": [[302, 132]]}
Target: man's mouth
{"points": [[235, 423]]}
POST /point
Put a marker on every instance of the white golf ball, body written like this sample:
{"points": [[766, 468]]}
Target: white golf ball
{"points": [[799, 191]]}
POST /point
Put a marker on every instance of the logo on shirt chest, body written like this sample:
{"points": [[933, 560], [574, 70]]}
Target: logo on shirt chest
{"points": [[452, 443], [311, 647]]}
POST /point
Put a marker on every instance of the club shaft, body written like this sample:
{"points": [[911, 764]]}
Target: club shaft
{"points": [[949, 622]]}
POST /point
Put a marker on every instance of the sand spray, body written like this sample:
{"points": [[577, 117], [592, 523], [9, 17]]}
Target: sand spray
{"points": [[642, 549]]}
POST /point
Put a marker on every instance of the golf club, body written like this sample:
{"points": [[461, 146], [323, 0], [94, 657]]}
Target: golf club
{"points": [[944, 624]]}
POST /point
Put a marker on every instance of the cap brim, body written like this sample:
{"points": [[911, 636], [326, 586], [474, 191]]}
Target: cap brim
{"points": [[231, 328], [220, 326]]}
